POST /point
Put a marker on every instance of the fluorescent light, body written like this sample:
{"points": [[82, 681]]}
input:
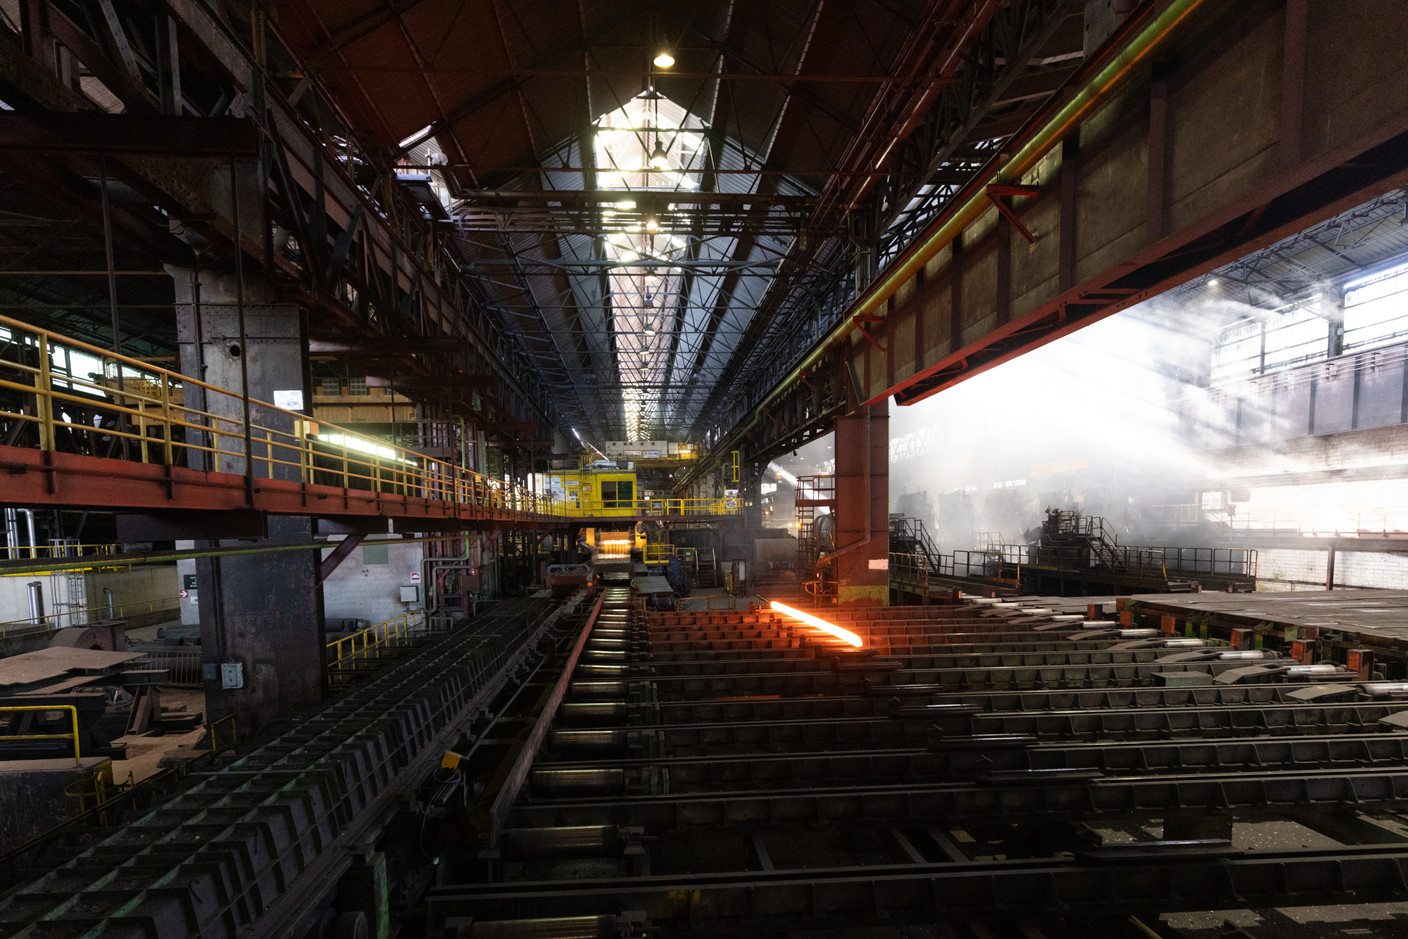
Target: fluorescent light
{"points": [[416, 138]]}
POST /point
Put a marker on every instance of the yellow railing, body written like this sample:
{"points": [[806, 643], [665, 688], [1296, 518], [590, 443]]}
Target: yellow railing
{"points": [[598, 508], [72, 713], [142, 413], [63, 618], [216, 747], [363, 645], [658, 553], [149, 415], [57, 551]]}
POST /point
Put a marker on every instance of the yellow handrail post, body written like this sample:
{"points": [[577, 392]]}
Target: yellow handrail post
{"points": [[43, 397], [73, 718], [141, 405], [167, 452]]}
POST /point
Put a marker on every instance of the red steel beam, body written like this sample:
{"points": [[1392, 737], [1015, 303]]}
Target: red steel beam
{"points": [[36, 477]]}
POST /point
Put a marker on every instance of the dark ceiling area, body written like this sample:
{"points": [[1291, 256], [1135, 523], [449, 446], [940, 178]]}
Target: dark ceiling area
{"points": [[801, 141]]}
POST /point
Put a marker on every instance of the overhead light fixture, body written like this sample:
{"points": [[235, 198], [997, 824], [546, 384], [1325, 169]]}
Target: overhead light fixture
{"points": [[652, 224], [663, 59], [658, 158], [649, 300]]}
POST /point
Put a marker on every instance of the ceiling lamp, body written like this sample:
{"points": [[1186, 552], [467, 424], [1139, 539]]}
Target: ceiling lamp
{"points": [[652, 224], [663, 59], [658, 159]]}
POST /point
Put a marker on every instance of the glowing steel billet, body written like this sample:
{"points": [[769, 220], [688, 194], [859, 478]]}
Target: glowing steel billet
{"points": [[843, 634]]}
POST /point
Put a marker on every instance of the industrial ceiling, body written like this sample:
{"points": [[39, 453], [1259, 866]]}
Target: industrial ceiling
{"points": [[652, 237]]}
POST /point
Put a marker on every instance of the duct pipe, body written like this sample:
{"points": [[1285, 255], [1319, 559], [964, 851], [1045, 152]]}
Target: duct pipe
{"points": [[428, 577], [12, 534], [36, 602], [107, 598], [29, 526]]}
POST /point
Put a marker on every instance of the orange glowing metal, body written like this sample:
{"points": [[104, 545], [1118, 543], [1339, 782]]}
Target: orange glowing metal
{"points": [[843, 634]]}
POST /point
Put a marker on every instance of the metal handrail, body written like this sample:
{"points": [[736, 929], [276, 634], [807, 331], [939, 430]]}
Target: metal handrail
{"points": [[72, 713], [215, 748], [27, 626], [15, 552], [364, 643], [146, 411], [1147, 561], [623, 508]]}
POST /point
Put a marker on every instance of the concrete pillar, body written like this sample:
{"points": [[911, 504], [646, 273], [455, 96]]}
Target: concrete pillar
{"points": [[863, 507], [260, 614], [274, 354], [264, 614]]}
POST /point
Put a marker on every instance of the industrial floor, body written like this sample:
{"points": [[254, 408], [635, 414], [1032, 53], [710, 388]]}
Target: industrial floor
{"points": [[992, 768], [996, 768]]}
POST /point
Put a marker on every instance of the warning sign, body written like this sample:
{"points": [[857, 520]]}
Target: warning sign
{"points": [[415, 577]]}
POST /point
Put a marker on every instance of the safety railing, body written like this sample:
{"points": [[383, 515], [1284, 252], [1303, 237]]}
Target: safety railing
{"points": [[344, 654], [55, 550], [73, 716], [65, 618], [223, 734], [93, 791], [183, 666], [138, 412], [622, 508], [1377, 522], [658, 553], [1003, 563], [910, 570], [1148, 562]]}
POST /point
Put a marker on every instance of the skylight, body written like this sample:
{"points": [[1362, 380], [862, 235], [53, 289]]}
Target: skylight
{"points": [[649, 146]]}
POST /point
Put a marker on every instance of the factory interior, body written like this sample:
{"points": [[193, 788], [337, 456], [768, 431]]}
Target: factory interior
{"points": [[620, 469]]}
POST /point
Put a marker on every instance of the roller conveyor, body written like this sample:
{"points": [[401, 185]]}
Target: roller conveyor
{"points": [[786, 752], [246, 847], [662, 771]]}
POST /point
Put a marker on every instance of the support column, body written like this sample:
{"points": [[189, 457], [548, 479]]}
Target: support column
{"points": [[260, 612], [863, 507], [263, 612], [750, 492], [220, 341]]}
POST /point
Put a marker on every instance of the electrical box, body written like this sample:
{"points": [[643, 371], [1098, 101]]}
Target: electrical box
{"points": [[209, 671], [410, 594], [231, 674]]}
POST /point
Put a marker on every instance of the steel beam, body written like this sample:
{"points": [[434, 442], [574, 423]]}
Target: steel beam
{"points": [[126, 134]]}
